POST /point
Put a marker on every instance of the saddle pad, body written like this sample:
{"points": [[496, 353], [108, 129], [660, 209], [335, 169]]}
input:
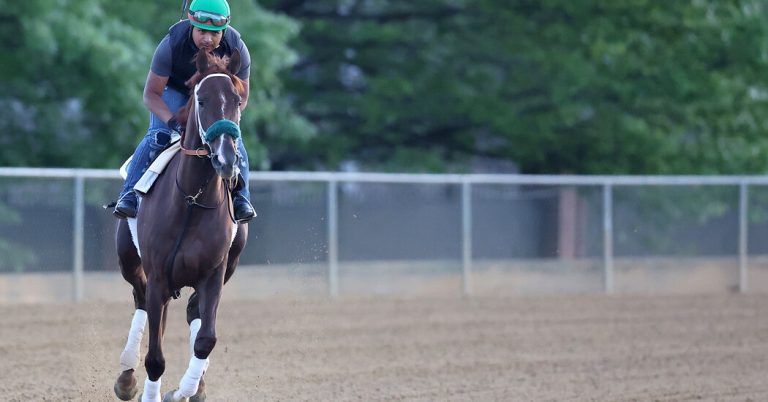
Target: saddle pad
{"points": [[175, 137], [148, 178], [134, 234]]}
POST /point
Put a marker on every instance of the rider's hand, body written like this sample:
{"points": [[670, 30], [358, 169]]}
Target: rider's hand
{"points": [[175, 125]]}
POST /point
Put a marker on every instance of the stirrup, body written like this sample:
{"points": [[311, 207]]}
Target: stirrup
{"points": [[125, 208], [243, 210]]}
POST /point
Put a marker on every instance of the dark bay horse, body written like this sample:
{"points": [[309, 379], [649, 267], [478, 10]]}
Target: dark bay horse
{"points": [[186, 234]]}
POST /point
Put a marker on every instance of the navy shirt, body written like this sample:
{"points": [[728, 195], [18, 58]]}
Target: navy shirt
{"points": [[173, 56]]}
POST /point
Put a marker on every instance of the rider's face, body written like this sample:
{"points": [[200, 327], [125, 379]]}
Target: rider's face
{"points": [[205, 39]]}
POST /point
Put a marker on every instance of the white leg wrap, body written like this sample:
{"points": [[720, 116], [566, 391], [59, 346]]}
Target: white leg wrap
{"points": [[151, 391], [129, 359], [194, 327], [189, 383]]}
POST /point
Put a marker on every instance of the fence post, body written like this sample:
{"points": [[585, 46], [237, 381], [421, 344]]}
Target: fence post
{"points": [[608, 236], [78, 243], [743, 235], [466, 236], [333, 239]]}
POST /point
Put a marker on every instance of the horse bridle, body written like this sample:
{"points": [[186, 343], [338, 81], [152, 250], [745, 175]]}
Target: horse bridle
{"points": [[206, 151], [192, 200]]}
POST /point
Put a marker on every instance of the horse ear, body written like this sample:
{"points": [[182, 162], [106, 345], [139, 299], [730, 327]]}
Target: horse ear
{"points": [[202, 61], [234, 62]]}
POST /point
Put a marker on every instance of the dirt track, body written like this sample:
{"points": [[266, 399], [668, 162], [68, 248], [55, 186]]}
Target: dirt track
{"points": [[711, 347]]}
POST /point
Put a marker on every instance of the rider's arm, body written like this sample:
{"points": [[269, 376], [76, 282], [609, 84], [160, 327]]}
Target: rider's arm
{"points": [[159, 71], [244, 100], [153, 96], [245, 71]]}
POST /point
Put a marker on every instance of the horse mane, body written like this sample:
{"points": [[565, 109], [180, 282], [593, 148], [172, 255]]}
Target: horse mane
{"points": [[216, 65]]}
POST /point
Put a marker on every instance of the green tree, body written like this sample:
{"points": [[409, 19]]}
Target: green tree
{"points": [[73, 83], [555, 86]]}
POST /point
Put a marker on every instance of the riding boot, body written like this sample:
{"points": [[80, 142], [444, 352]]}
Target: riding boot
{"points": [[150, 146], [241, 198]]}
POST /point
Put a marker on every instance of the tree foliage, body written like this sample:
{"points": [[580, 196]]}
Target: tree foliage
{"points": [[556, 86], [74, 79], [72, 83], [553, 86]]}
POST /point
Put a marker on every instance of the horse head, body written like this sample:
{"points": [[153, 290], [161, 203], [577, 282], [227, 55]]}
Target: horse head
{"points": [[214, 110]]}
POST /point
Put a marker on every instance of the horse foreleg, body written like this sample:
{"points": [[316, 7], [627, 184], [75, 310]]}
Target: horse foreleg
{"points": [[238, 244], [125, 385], [208, 296], [193, 319], [154, 362], [132, 271]]}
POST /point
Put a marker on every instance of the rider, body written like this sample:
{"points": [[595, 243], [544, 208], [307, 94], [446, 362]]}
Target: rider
{"points": [[166, 91]]}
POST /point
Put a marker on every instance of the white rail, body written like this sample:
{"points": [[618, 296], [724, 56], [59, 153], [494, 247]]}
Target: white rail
{"points": [[465, 181]]}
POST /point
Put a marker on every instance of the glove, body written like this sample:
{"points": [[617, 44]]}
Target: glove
{"points": [[175, 125]]}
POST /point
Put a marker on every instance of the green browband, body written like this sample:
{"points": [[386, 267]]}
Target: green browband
{"points": [[228, 127]]}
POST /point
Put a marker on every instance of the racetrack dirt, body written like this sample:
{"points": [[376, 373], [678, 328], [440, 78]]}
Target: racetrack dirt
{"points": [[606, 348]]}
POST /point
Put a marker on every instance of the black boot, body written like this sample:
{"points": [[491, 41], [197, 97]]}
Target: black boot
{"points": [[243, 209], [126, 206]]}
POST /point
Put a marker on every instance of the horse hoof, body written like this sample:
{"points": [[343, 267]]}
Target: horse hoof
{"points": [[125, 386], [168, 397]]}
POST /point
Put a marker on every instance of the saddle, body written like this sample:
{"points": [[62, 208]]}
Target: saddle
{"points": [[144, 185], [153, 171]]}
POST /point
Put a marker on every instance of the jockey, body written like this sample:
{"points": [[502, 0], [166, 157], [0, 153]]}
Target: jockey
{"points": [[166, 91]]}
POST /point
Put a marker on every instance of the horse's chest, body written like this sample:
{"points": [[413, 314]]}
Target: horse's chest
{"points": [[190, 248]]}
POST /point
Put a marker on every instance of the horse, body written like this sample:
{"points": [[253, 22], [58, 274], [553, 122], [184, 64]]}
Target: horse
{"points": [[186, 233]]}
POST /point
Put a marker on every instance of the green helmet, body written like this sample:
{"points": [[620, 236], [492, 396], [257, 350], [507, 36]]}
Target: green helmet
{"points": [[212, 15]]}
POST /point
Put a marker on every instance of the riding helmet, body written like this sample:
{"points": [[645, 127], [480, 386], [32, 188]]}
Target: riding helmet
{"points": [[212, 15]]}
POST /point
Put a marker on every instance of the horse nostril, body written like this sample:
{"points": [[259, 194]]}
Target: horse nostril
{"points": [[225, 168]]}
